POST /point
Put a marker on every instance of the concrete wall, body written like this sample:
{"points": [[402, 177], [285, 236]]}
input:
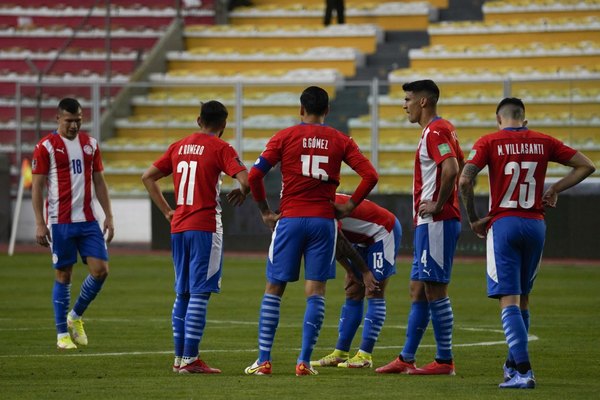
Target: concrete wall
{"points": [[571, 227], [131, 218]]}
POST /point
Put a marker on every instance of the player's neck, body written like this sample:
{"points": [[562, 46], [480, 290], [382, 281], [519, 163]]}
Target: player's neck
{"points": [[313, 119], [209, 133], [66, 135], [427, 117]]}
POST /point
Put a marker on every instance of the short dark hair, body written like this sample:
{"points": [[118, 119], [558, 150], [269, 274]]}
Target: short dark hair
{"points": [[69, 105], [516, 110], [213, 114], [315, 100], [426, 85]]}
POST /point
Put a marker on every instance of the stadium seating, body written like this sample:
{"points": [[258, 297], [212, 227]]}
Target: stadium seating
{"points": [[502, 10], [363, 37], [387, 15], [31, 33], [516, 31], [551, 62], [266, 55], [263, 59]]}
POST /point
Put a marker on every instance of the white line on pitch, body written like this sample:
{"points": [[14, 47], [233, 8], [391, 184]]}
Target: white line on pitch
{"points": [[141, 353]]}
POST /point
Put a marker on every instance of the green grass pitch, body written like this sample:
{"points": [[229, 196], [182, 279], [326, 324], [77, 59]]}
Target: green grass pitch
{"points": [[130, 350]]}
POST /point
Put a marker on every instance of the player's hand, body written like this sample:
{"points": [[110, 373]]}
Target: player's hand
{"points": [[351, 280], [550, 198], [42, 235], [371, 284], [479, 226], [236, 197], [109, 229], [343, 210], [428, 207], [270, 219], [169, 215]]}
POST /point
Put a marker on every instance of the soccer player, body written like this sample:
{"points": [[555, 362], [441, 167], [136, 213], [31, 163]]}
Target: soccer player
{"points": [[310, 155], [196, 163], [375, 233], [436, 215], [517, 158], [69, 164]]}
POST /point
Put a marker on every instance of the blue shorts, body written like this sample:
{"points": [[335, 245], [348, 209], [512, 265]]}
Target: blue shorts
{"points": [[514, 253], [381, 255], [434, 247], [294, 238], [198, 261], [83, 237]]}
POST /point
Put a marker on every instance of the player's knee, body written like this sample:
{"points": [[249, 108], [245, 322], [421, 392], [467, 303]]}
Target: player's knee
{"points": [[100, 273]]}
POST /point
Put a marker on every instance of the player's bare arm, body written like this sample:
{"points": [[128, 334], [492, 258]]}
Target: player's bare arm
{"points": [[450, 170], [344, 251], [581, 166], [237, 196], [150, 179], [269, 217], [465, 184], [42, 233], [101, 190]]}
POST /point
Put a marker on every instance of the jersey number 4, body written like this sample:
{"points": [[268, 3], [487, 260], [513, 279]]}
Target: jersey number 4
{"points": [[188, 178], [526, 189], [311, 166]]}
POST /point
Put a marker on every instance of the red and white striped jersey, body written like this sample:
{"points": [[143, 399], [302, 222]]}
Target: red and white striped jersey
{"points": [[69, 165], [367, 223], [438, 142]]}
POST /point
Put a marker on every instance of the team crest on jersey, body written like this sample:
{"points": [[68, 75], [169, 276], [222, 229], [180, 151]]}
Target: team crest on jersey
{"points": [[87, 149]]}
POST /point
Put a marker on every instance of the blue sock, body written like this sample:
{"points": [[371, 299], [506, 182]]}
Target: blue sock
{"points": [[442, 319], [373, 323], [178, 322], [267, 325], [195, 320], [525, 315], [61, 298], [516, 333], [313, 320], [418, 319], [89, 289], [350, 318]]}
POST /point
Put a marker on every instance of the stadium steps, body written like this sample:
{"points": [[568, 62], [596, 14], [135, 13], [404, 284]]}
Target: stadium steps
{"points": [[387, 15], [462, 10]]}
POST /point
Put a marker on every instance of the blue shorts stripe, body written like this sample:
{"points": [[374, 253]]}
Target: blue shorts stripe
{"points": [[310, 238], [198, 261], [514, 252], [434, 248]]}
